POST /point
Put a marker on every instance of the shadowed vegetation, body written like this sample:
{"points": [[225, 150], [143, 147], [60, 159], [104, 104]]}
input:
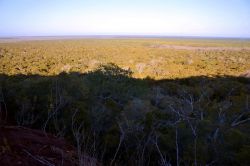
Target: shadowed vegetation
{"points": [[121, 120]]}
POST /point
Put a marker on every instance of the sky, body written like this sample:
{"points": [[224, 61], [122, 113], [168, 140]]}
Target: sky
{"points": [[215, 18]]}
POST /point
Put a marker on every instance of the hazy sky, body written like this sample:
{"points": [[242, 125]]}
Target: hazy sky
{"points": [[226, 18]]}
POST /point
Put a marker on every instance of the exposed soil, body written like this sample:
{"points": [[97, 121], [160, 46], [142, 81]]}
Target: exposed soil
{"points": [[27, 147], [178, 47]]}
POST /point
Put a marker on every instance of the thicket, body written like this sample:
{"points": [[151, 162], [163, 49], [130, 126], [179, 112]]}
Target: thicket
{"points": [[121, 120]]}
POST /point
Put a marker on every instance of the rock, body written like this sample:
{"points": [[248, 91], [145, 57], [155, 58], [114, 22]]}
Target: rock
{"points": [[66, 68], [140, 67], [246, 74]]}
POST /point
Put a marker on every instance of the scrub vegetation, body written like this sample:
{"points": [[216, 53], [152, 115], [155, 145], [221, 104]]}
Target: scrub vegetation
{"points": [[133, 101]]}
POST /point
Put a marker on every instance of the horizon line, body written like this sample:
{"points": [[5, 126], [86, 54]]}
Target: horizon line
{"points": [[123, 36]]}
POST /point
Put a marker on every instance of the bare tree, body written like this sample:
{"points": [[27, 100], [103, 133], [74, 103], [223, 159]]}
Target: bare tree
{"points": [[4, 111], [58, 102], [240, 120], [122, 136], [177, 146], [78, 133], [244, 117], [164, 161]]}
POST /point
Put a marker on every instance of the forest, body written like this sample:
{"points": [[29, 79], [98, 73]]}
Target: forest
{"points": [[131, 101]]}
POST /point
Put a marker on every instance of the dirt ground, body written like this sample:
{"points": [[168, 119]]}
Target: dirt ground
{"points": [[179, 47], [21, 146]]}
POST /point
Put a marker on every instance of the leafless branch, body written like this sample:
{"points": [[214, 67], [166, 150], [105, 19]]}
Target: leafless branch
{"points": [[122, 135], [39, 159], [78, 131]]}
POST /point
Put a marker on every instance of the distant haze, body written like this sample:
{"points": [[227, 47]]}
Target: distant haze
{"points": [[215, 18]]}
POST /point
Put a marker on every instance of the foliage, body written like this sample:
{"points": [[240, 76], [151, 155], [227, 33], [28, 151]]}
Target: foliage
{"points": [[120, 116]]}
